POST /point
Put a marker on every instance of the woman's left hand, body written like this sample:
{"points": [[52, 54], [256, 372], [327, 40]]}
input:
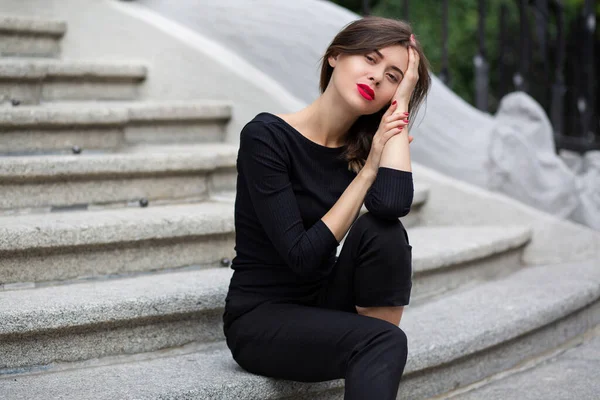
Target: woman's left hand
{"points": [[411, 76]]}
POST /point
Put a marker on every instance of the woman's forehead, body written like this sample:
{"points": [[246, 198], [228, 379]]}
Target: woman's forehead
{"points": [[393, 54]]}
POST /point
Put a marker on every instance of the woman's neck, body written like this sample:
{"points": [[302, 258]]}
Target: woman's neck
{"points": [[324, 123]]}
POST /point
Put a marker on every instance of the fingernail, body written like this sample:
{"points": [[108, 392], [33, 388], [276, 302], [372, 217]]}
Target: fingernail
{"points": [[406, 120], [406, 113], [394, 102]]}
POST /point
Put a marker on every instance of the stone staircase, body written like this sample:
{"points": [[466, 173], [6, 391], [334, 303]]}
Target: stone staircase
{"points": [[116, 231]]}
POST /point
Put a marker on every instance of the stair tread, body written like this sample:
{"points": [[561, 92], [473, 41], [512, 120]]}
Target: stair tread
{"points": [[76, 228], [135, 159], [35, 68], [113, 112], [490, 314], [437, 247], [158, 294], [29, 25]]}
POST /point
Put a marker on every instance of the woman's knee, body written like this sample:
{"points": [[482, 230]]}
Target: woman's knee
{"points": [[368, 223], [390, 342]]}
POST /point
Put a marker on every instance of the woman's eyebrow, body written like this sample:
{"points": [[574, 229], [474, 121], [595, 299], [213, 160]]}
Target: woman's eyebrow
{"points": [[393, 66]]}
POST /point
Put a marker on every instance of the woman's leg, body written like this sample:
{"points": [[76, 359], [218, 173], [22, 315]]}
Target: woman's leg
{"points": [[312, 344], [373, 271]]}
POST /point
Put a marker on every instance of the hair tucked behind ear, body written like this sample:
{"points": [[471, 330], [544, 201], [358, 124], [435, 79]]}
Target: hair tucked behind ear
{"points": [[361, 37]]}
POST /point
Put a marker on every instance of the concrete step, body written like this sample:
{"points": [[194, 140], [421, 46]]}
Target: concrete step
{"points": [[85, 244], [447, 258], [453, 341], [91, 244], [20, 36], [570, 373], [32, 81], [109, 126], [136, 314], [157, 173]]}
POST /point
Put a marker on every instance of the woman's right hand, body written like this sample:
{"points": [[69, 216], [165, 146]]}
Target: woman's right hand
{"points": [[391, 124]]}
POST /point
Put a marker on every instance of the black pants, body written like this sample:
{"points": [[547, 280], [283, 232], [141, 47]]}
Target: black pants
{"points": [[328, 339]]}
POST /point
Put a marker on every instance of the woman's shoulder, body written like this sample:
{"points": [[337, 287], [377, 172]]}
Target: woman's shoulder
{"points": [[266, 125], [267, 118]]}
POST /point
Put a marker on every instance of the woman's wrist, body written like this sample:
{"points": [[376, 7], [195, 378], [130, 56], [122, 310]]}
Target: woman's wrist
{"points": [[402, 104], [367, 174]]}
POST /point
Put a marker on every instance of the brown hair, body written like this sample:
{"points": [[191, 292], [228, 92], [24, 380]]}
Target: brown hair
{"points": [[361, 37]]}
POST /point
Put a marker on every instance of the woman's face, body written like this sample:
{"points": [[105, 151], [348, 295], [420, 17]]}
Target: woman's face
{"points": [[381, 70]]}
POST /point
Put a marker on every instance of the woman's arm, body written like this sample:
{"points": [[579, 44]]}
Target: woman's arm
{"points": [[264, 167], [392, 192], [343, 213], [396, 152], [391, 195], [387, 195]]}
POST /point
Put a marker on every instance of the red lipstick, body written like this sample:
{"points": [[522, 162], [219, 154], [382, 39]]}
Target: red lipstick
{"points": [[366, 91]]}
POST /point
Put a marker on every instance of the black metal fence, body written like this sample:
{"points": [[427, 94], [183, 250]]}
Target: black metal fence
{"points": [[568, 91]]}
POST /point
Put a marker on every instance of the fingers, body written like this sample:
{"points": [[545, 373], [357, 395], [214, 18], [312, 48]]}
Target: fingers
{"points": [[413, 55], [416, 58], [388, 135], [395, 117], [396, 124], [413, 58], [390, 110]]}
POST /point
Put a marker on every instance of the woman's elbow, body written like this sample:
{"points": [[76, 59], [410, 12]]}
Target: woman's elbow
{"points": [[388, 210], [306, 269]]}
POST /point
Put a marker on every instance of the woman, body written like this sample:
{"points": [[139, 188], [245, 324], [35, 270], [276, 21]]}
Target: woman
{"points": [[294, 310]]}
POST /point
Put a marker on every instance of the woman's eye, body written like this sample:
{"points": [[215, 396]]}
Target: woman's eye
{"points": [[391, 76]]}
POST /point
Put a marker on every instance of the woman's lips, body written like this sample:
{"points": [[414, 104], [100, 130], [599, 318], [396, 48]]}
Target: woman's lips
{"points": [[365, 91]]}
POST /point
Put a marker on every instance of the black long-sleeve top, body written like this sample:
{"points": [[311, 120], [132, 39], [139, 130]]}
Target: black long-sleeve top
{"points": [[286, 183]]}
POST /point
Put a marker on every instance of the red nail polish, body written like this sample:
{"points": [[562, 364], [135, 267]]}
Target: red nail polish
{"points": [[406, 121], [394, 102], [405, 113]]}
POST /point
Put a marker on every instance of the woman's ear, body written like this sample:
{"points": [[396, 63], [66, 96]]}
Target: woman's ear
{"points": [[332, 60]]}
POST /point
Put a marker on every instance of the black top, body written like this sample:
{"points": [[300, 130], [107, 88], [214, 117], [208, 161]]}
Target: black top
{"points": [[286, 183]]}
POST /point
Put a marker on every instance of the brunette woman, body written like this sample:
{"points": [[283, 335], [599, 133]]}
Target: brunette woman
{"points": [[294, 310]]}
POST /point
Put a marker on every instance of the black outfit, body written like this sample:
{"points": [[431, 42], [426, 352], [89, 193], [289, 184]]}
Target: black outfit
{"points": [[290, 310]]}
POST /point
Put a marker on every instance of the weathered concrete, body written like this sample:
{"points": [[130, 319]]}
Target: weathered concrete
{"points": [[56, 230], [32, 81], [30, 36], [110, 126], [155, 173], [570, 375], [41, 26], [452, 201]]}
